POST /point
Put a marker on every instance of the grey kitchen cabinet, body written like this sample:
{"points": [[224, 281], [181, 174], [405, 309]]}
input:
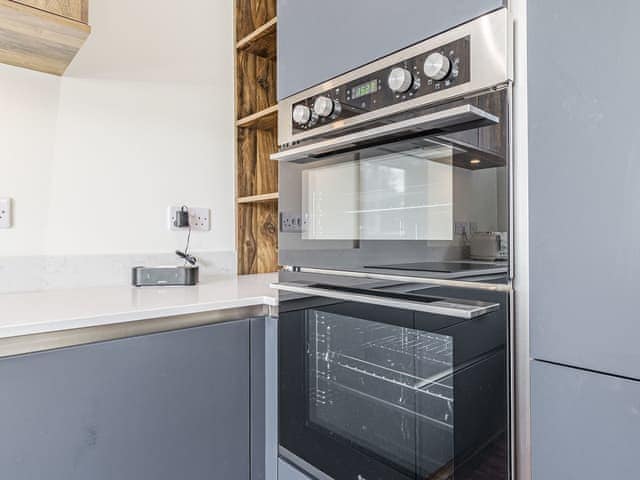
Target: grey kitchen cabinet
{"points": [[161, 406], [584, 171], [585, 426], [319, 40]]}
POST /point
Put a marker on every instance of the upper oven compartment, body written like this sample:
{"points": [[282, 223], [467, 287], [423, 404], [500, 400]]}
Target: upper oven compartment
{"points": [[471, 58]]}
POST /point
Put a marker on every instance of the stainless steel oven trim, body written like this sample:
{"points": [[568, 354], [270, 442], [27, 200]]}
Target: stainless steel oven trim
{"points": [[491, 66], [444, 118], [301, 464], [466, 310], [493, 287]]}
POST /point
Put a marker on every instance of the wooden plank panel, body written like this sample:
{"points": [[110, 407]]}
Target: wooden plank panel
{"points": [[74, 9], [267, 218], [265, 83], [38, 40], [266, 169], [247, 240], [247, 159], [246, 94], [265, 197], [252, 14]]}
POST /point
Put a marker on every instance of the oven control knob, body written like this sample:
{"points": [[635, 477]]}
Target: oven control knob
{"points": [[323, 106], [437, 66], [400, 80], [301, 114]]}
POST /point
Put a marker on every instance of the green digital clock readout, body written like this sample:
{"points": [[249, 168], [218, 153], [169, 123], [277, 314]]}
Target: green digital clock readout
{"points": [[364, 89]]}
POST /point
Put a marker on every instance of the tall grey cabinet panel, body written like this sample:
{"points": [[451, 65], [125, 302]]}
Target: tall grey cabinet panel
{"points": [[585, 426], [318, 40], [163, 407], [584, 177]]}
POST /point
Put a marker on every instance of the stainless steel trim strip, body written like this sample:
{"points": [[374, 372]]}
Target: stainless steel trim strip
{"points": [[491, 65], [448, 307], [444, 118], [493, 287], [301, 464], [81, 336]]}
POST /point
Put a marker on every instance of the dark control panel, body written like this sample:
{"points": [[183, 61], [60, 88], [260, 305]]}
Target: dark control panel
{"points": [[424, 74]]}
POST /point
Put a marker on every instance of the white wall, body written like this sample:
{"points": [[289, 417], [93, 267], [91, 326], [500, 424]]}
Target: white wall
{"points": [[143, 119]]}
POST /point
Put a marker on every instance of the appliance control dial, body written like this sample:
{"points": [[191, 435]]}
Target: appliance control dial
{"points": [[400, 80], [437, 66], [301, 114], [323, 106]]}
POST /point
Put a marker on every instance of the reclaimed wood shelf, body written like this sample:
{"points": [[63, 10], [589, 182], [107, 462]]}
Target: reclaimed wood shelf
{"points": [[265, 197], [256, 136], [262, 41], [265, 119]]}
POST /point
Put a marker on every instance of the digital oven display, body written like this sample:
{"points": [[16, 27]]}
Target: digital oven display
{"points": [[364, 89]]}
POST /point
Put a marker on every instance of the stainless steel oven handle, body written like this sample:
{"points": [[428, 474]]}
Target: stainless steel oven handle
{"points": [[449, 307], [444, 118]]}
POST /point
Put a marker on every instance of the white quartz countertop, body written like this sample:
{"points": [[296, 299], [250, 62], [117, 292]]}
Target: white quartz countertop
{"points": [[55, 310]]}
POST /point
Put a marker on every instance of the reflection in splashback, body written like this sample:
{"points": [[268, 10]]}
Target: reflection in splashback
{"points": [[399, 196]]}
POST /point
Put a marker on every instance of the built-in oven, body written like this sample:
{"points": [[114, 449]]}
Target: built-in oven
{"points": [[386, 380], [394, 333]]}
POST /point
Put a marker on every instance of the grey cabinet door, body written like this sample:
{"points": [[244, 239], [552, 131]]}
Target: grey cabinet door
{"points": [[585, 426], [584, 172], [318, 40], [159, 407]]}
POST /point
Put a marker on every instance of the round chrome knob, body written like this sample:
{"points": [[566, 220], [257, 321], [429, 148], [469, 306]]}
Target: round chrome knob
{"points": [[323, 106], [400, 80], [301, 114], [437, 66]]}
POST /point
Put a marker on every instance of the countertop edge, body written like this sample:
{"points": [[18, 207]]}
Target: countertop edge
{"points": [[83, 331]]}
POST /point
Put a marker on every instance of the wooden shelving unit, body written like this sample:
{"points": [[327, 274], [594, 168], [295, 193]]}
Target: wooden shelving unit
{"points": [[256, 134]]}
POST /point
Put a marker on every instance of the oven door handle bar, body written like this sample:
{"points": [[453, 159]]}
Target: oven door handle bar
{"points": [[448, 307], [459, 116]]}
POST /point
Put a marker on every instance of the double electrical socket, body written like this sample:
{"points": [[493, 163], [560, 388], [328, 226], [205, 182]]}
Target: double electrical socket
{"points": [[199, 218], [5, 213], [291, 222]]}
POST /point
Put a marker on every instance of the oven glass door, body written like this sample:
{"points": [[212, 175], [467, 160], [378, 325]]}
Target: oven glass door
{"points": [[405, 199], [371, 392]]}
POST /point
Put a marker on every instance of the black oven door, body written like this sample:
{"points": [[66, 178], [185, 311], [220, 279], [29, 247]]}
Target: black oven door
{"points": [[394, 381], [420, 187]]}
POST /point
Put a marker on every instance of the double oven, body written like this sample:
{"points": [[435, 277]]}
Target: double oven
{"points": [[394, 341]]}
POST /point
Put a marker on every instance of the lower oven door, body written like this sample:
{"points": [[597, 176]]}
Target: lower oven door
{"points": [[376, 384]]}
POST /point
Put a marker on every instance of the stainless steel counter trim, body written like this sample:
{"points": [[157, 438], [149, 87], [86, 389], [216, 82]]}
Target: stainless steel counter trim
{"points": [[39, 342], [449, 307], [494, 287], [442, 119]]}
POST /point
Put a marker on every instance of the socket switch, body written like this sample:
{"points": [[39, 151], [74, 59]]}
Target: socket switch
{"points": [[199, 219], [5, 213], [290, 223]]}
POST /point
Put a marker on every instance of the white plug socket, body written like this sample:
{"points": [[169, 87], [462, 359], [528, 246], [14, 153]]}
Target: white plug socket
{"points": [[199, 219], [5, 213]]}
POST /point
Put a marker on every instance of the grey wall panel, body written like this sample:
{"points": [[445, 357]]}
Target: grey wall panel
{"points": [[318, 40], [163, 407], [287, 472], [585, 426], [584, 169]]}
